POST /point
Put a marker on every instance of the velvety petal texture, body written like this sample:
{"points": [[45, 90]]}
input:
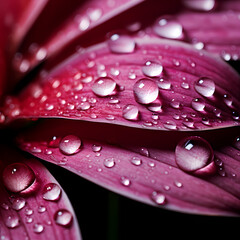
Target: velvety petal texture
{"points": [[141, 164], [32, 203], [143, 82]]}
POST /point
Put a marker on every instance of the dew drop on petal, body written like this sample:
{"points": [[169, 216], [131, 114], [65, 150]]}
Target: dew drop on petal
{"points": [[145, 91], [152, 69], [18, 177], [125, 181], [136, 161], [38, 228], [70, 144], [170, 125], [205, 87], [228, 99], [12, 221], [158, 198], [168, 28], [164, 84], [51, 192], [200, 5], [18, 203], [104, 86], [109, 162], [121, 44], [193, 153], [198, 104], [130, 112], [236, 143], [63, 218]]}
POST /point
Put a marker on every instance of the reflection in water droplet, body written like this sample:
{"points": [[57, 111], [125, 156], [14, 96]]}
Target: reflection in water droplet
{"points": [[63, 218], [193, 153], [168, 28], [121, 44], [130, 112], [70, 144], [152, 69], [104, 86], [205, 87], [18, 177], [145, 91]]}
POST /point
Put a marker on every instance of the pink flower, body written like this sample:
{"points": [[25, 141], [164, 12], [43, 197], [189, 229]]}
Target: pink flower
{"points": [[139, 97]]}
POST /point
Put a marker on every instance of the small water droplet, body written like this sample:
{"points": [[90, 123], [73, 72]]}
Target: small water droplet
{"points": [[198, 104], [38, 228], [236, 143], [96, 148], [109, 162], [83, 106], [121, 44], [178, 184], [125, 181], [144, 151], [12, 221], [145, 91], [235, 115], [205, 87], [193, 153], [168, 28], [18, 177], [63, 218], [70, 144], [188, 122], [130, 112], [158, 198], [104, 86], [42, 209], [164, 84], [175, 104], [185, 85], [227, 100], [28, 211], [152, 69], [202, 5], [171, 125], [18, 203], [136, 161]]}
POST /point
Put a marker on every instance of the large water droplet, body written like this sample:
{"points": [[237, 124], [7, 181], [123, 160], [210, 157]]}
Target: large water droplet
{"points": [[168, 28], [51, 192], [152, 69], [104, 86], [145, 91], [70, 144], [63, 217], [205, 87], [130, 112], [193, 153], [18, 177], [121, 44]]}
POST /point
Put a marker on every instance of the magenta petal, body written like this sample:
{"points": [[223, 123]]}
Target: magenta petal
{"points": [[32, 201], [147, 173], [184, 89]]}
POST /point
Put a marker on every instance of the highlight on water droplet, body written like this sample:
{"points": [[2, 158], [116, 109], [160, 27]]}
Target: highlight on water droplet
{"points": [[145, 91], [70, 144], [130, 112], [168, 28], [104, 86], [121, 44], [194, 154], [152, 69], [63, 218], [51, 192], [205, 86], [18, 177]]}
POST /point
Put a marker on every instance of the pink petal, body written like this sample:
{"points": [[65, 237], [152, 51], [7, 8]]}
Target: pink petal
{"points": [[141, 165], [184, 89], [32, 212]]}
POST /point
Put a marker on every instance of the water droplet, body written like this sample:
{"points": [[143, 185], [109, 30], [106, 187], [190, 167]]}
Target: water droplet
{"points": [[185, 85], [136, 161], [235, 115], [227, 100], [12, 221], [155, 107], [145, 91], [130, 112], [168, 28], [38, 228], [42, 209], [104, 86], [202, 5], [205, 87], [164, 84], [178, 184], [63, 217], [70, 144], [158, 198], [198, 104], [83, 106], [125, 181], [28, 211], [121, 44], [109, 162], [171, 125], [18, 177], [175, 104], [96, 148], [18, 203], [193, 153], [152, 69], [144, 151], [236, 143]]}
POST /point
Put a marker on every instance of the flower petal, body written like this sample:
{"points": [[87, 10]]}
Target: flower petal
{"points": [[35, 211], [137, 164], [157, 84]]}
